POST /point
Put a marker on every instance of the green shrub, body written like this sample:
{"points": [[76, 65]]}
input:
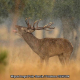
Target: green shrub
{"points": [[3, 56]]}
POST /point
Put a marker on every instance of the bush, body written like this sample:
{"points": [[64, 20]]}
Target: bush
{"points": [[3, 56]]}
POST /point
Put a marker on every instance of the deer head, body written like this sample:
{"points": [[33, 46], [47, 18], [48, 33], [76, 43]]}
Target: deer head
{"points": [[29, 29]]}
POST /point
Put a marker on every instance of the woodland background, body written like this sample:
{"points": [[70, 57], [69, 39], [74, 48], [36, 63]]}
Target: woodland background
{"points": [[66, 17]]}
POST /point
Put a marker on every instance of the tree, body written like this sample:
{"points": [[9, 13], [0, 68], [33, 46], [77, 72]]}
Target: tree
{"points": [[37, 9], [69, 13], [3, 10]]}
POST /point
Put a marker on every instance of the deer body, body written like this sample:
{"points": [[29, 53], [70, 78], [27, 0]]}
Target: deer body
{"points": [[49, 47], [46, 47]]}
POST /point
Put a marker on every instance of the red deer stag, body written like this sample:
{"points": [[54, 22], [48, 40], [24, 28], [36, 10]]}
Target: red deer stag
{"points": [[46, 47]]}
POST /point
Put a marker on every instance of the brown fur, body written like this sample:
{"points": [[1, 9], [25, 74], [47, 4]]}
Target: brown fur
{"points": [[47, 47]]}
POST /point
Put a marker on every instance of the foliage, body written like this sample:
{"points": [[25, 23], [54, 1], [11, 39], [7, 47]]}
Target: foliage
{"points": [[3, 56], [3, 10], [37, 8], [76, 8], [67, 8], [40, 8], [27, 8]]}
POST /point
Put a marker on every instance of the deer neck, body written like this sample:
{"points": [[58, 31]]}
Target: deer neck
{"points": [[32, 41]]}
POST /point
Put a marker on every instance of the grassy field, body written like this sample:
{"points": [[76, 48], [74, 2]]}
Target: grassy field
{"points": [[23, 61]]}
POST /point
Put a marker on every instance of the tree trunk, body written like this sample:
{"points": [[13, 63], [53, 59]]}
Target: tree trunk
{"points": [[69, 30]]}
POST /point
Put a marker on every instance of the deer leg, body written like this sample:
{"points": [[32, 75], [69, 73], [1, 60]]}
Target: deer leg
{"points": [[42, 60], [62, 59], [40, 64], [67, 57]]}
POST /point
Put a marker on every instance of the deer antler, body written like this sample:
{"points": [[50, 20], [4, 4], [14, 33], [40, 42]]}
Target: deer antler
{"points": [[44, 27], [38, 28], [37, 23], [34, 24], [48, 26], [27, 22]]}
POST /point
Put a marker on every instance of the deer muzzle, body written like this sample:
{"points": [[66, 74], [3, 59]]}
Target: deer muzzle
{"points": [[16, 26], [15, 31]]}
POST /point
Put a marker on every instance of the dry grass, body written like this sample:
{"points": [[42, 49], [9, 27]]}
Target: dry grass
{"points": [[23, 61]]}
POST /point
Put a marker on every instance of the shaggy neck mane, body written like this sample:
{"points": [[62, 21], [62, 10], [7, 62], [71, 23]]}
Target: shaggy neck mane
{"points": [[31, 40]]}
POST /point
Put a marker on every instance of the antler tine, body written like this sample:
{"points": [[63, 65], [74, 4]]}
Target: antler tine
{"points": [[44, 27], [38, 28], [27, 22], [29, 26], [37, 23], [48, 25], [34, 24], [51, 24]]}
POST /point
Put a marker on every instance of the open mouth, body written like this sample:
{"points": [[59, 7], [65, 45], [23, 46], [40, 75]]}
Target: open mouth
{"points": [[15, 31]]}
